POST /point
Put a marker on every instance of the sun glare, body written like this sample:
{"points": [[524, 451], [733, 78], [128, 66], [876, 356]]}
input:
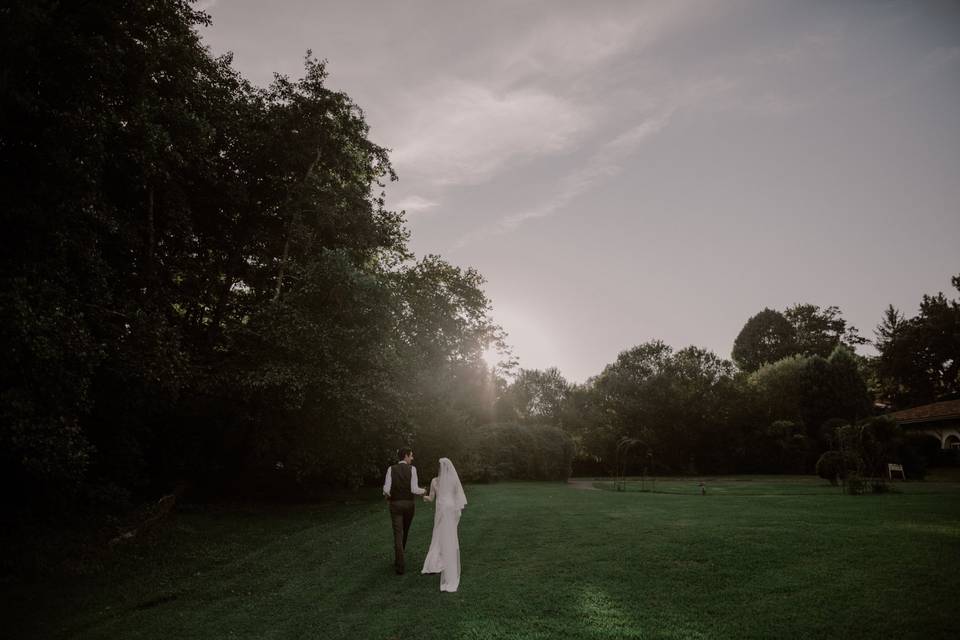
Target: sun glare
{"points": [[491, 357]]}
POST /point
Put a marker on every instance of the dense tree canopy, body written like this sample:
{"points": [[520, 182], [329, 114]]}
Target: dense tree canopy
{"points": [[766, 337], [919, 359], [817, 332], [200, 280], [798, 398], [684, 407], [535, 396], [802, 329]]}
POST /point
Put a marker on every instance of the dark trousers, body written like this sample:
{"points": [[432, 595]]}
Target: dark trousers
{"points": [[401, 515]]}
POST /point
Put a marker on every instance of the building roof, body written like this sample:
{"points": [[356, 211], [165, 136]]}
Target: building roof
{"points": [[946, 410]]}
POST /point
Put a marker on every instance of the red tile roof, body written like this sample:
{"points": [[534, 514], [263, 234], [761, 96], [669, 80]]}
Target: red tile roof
{"points": [[929, 412]]}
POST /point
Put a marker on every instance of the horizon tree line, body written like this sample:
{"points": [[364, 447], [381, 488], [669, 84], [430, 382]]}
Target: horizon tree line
{"points": [[202, 286]]}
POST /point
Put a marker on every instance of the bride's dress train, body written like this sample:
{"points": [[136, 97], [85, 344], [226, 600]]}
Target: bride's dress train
{"points": [[443, 557]]}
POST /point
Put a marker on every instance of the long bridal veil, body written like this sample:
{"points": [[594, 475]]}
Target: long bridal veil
{"points": [[449, 490], [444, 553]]}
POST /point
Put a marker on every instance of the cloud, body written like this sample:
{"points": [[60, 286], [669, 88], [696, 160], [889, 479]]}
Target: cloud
{"points": [[580, 38], [567, 46], [527, 94], [602, 165], [608, 160], [463, 133], [415, 204], [605, 163], [554, 86]]}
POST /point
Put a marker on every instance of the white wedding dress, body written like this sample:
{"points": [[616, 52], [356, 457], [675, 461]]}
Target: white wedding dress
{"points": [[444, 554]]}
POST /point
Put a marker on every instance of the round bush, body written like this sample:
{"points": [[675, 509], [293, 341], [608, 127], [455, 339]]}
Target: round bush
{"points": [[832, 466]]}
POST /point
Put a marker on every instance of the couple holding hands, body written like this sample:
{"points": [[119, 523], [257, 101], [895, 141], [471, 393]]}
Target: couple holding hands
{"points": [[399, 487]]}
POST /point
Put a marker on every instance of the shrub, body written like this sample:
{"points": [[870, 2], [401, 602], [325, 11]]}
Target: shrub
{"points": [[855, 485], [875, 442], [881, 486], [834, 466], [858, 485]]}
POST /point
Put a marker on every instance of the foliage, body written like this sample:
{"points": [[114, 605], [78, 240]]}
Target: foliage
{"points": [[518, 451], [201, 282], [876, 441], [811, 390], [856, 485], [785, 447], [821, 331], [766, 337], [835, 466], [780, 387], [850, 397], [105, 122], [684, 406], [872, 444], [534, 395], [583, 419], [802, 329], [919, 357]]}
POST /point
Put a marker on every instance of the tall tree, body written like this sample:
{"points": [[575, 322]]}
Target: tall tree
{"points": [[819, 331], [535, 396], [803, 329], [807, 391], [200, 279], [766, 337], [919, 357], [682, 405], [105, 109]]}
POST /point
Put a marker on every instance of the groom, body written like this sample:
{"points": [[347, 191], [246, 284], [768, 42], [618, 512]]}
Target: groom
{"points": [[399, 487]]}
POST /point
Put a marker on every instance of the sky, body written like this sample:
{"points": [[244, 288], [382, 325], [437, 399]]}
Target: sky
{"points": [[630, 171]]}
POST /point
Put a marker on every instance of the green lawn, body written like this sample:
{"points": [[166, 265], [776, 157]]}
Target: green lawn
{"points": [[754, 558], [767, 486]]}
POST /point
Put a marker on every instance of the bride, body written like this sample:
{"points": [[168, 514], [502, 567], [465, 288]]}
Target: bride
{"points": [[444, 554]]}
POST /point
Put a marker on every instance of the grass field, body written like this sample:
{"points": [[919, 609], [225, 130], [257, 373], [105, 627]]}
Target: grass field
{"points": [[754, 558], [767, 486]]}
